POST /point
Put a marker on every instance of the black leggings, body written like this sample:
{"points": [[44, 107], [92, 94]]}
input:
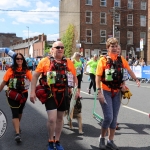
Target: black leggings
{"points": [[79, 77], [16, 107], [92, 83]]}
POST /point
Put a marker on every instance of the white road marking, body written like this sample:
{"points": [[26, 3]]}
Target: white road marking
{"points": [[142, 112], [140, 85]]}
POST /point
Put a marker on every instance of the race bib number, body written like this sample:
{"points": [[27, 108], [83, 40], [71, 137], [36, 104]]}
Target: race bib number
{"points": [[78, 70], [70, 79]]}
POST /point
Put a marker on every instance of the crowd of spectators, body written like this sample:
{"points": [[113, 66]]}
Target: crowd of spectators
{"points": [[136, 61]]}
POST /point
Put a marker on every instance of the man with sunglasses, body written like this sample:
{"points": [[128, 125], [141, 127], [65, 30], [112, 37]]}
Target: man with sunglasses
{"points": [[55, 104]]}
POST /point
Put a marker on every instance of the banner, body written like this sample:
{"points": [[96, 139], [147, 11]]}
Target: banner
{"points": [[146, 72], [137, 71], [141, 71]]}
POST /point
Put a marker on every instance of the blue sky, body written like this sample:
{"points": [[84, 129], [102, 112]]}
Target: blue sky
{"points": [[38, 22]]}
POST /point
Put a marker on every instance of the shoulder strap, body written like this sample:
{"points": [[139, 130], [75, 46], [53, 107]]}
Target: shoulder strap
{"points": [[119, 59]]}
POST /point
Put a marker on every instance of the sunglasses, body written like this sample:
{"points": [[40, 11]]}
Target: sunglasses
{"points": [[58, 47], [19, 58]]}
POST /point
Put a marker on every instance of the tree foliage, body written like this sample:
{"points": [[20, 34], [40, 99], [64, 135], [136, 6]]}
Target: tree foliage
{"points": [[68, 39], [47, 48]]}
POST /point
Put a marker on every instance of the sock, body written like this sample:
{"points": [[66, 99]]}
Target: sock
{"points": [[109, 141]]}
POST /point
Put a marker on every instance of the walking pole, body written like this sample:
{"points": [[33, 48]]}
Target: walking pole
{"points": [[95, 115]]}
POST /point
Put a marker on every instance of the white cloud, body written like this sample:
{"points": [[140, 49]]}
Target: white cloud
{"points": [[48, 22], [7, 4], [31, 34], [52, 37], [2, 20], [14, 22], [37, 17]]}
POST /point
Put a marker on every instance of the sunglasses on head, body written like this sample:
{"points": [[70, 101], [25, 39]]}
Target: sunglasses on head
{"points": [[19, 58], [58, 47]]}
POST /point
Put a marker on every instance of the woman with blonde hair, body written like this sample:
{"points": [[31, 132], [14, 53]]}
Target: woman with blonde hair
{"points": [[78, 65]]}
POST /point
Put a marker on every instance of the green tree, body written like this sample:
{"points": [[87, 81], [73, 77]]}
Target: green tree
{"points": [[47, 48], [68, 39]]}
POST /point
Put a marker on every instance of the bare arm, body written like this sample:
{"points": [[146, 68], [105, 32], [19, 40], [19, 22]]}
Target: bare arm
{"points": [[2, 85], [98, 81], [131, 73], [100, 95], [33, 86]]}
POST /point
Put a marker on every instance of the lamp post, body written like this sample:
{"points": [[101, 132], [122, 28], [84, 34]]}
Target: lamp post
{"points": [[28, 39]]}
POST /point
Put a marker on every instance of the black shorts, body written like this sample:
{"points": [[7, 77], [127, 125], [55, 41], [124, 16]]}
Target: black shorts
{"points": [[60, 102]]}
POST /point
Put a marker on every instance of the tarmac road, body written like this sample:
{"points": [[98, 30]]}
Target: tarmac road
{"points": [[134, 122]]}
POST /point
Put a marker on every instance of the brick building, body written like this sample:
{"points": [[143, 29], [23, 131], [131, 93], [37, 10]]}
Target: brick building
{"points": [[6, 39], [97, 20], [37, 42]]}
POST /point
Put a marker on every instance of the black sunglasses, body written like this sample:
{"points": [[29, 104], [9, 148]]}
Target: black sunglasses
{"points": [[58, 47], [19, 58]]}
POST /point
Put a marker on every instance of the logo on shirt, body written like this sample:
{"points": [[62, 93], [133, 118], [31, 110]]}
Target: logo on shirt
{"points": [[3, 123]]}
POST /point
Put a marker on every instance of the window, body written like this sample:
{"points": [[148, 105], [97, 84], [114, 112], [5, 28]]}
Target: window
{"points": [[88, 2], [130, 37], [143, 5], [103, 18], [117, 19], [130, 20], [103, 2], [117, 3], [117, 35], [88, 17], [143, 36], [130, 4], [102, 36], [88, 36], [143, 21]]}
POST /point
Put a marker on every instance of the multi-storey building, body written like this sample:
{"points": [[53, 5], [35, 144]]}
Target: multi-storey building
{"points": [[97, 20], [6, 39]]}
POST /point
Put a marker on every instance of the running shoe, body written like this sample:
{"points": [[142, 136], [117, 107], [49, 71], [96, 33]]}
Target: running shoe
{"points": [[51, 146], [111, 145], [102, 144], [89, 91], [59, 146], [17, 138]]}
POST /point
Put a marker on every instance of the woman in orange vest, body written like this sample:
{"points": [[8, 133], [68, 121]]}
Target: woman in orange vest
{"points": [[17, 78], [109, 75]]}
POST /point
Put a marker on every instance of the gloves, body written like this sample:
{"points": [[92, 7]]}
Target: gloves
{"points": [[126, 94]]}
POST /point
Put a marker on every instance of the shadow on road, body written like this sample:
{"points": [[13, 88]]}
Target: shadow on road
{"points": [[134, 148], [138, 128]]}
